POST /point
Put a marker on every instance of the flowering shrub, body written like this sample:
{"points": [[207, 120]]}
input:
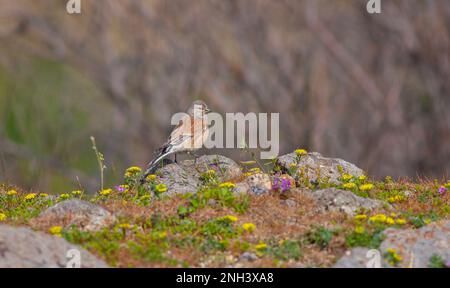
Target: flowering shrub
{"points": [[105, 192], [55, 230], [11, 192], [30, 196], [392, 256], [227, 185], [249, 227], [301, 152], [281, 184]]}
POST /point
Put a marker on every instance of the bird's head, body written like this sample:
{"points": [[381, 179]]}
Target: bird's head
{"points": [[198, 107]]}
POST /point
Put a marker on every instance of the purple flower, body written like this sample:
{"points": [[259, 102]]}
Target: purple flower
{"points": [[275, 183], [447, 264], [120, 188], [285, 185], [442, 190]]}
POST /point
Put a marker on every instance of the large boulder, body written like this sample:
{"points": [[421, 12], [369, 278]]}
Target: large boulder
{"points": [[337, 200], [24, 248], [315, 166], [415, 247], [185, 176], [84, 215]]}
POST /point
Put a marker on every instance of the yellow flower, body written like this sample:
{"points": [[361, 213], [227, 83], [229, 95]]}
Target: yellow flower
{"points": [[349, 186], [161, 188], [249, 227], [366, 187], [105, 192], [131, 171], [393, 215], [379, 218], [261, 246], [347, 177], [125, 226], [210, 172], [362, 178], [77, 192], [248, 174], [145, 197], [30, 196], [447, 185], [255, 170], [64, 196], [391, 250], [390, 221], [43, 195], [161, 235], [359, 229], [230, 218], [292, 165], [11, 192], [396, 198], [427, 221], [361, 217], [227, 185], [151, 177], [2, 217], [395, 256], [400, 221], [301, 152], [55, 230]]}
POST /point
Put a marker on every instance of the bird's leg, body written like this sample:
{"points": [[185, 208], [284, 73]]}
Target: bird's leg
{"points": [[175, 157], [195, 157], [193, 154]]}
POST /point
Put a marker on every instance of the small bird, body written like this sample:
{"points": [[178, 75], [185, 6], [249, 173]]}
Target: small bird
{"points": [[188, 136]]}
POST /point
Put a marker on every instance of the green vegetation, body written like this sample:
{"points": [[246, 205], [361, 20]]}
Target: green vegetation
{"points": [[214, 226]]}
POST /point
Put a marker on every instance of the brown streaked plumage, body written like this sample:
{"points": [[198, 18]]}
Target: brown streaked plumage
{"points": [[188, 136]]}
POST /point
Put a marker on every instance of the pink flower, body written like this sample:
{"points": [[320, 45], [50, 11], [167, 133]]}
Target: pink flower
{"points": [[442, 190]]}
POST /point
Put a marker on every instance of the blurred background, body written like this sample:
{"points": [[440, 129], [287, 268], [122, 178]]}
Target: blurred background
{"points": [[371, 89]]}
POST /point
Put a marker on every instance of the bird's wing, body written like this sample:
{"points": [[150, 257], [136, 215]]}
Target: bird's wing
{"points": [[187, 129]]}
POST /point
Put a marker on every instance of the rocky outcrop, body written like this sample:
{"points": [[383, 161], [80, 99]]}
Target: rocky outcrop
{"points": [[84, 215], [24, 248], [415, 247], [256, 184], [185, 177], [336, 200], [314, 166]]}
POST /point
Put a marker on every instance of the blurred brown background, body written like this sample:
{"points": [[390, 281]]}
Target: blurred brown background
{"points": [[372, 89]]}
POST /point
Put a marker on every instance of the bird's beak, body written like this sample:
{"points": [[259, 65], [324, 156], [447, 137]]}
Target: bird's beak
{"points": [[207, 110]]}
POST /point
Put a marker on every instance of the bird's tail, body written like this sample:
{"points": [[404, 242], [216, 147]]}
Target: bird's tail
{"points": [[151, 167]]}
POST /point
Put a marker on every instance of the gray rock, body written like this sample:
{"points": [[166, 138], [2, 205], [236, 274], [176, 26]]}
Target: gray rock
{"points": [[314, 165], [24, 248], [333, 199], [415, 246], [256, 184], [355, 258], [184, 177], [85, 215], [248, 256]]}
